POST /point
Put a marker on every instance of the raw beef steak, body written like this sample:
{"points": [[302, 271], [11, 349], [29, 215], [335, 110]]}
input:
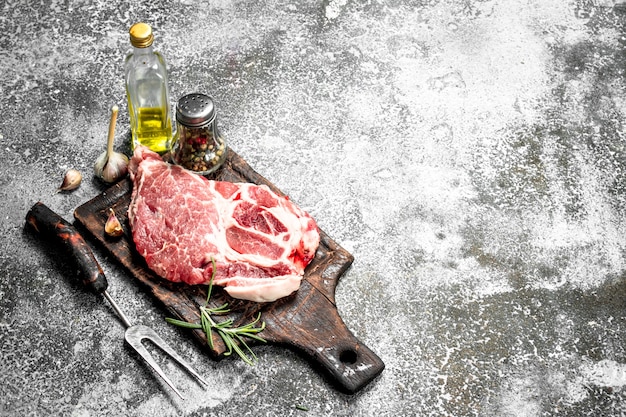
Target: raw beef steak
{"points": [[180, 221]]}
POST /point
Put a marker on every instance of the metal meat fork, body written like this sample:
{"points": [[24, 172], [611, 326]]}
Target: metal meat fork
{"points": [[52, 227], [135, 335]]}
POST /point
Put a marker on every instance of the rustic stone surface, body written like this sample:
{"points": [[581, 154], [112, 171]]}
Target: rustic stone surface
{"points": [[469, 154]]}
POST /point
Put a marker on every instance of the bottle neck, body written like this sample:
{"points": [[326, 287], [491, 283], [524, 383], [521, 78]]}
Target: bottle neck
{"points": [[143, 51]]}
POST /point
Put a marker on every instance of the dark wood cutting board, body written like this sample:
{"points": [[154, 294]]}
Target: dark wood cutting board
{"points": [[306, 321]]}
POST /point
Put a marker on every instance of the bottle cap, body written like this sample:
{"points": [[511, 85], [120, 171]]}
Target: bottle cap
{"points": [[141, 35], [195, 110]]}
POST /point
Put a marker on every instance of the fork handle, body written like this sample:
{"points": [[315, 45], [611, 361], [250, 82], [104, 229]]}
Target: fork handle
{"points": [[51, 226]]}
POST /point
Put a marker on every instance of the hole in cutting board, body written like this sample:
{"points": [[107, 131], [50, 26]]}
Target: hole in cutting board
{"points": [[348, 356]]}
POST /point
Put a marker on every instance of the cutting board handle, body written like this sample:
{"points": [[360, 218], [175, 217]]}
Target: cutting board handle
{"points": [[351, 364], [317, 330]]}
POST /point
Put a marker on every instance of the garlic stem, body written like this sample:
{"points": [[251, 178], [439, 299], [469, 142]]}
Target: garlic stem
{"points": [[112, 122], [110, 166]]}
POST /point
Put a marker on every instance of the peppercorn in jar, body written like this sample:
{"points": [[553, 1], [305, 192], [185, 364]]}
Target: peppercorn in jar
{"points": [[198, 144]]}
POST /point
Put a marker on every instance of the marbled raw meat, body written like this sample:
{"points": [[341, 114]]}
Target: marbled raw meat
{"points": [[261, 242]]}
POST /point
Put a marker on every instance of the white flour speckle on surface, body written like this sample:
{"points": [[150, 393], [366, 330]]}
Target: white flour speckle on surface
{"points": [[605, 373], [333, 9]]}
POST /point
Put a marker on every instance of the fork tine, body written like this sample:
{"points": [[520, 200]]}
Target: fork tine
{"points": [[134, 339], [141, 332]]}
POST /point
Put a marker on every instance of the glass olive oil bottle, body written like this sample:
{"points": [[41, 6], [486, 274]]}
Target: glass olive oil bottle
{"points": [[147, 92]]}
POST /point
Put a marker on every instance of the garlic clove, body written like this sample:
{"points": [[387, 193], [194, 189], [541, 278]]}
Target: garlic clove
{"points": [[113, 227], [98, 166], [71, 180]]}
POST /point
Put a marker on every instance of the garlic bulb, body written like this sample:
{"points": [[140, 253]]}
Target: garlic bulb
{"points": [[110, 165], [113, 227], [71, 180], [111, 168]]}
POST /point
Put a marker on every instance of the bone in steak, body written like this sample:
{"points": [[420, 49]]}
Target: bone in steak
{"points": [[260, 241]]}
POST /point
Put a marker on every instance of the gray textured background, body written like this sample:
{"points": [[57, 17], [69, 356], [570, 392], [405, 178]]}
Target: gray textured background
{"points": [[469, 154]]}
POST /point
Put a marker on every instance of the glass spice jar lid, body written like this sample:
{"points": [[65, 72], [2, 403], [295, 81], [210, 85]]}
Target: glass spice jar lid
{"points": [[195, 110]]}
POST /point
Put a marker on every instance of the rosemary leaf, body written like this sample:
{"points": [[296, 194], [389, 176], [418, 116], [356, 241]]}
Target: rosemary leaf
{"points": [[206, 326], [227, 342], [220, 310], [237, 348], [184, 324]]}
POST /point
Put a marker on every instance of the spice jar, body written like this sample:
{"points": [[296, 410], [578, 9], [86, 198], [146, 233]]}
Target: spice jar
{"points": [[198, 144]]}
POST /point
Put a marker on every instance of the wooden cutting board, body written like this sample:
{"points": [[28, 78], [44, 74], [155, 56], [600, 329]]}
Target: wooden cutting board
{"points": [[306, 321]]}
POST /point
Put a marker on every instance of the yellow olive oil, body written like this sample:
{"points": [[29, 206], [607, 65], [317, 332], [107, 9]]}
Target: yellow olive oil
{"points": [[153, 129]]}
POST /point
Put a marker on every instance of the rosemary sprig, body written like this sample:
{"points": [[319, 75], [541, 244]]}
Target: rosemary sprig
{"points": [[233, 337]]}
